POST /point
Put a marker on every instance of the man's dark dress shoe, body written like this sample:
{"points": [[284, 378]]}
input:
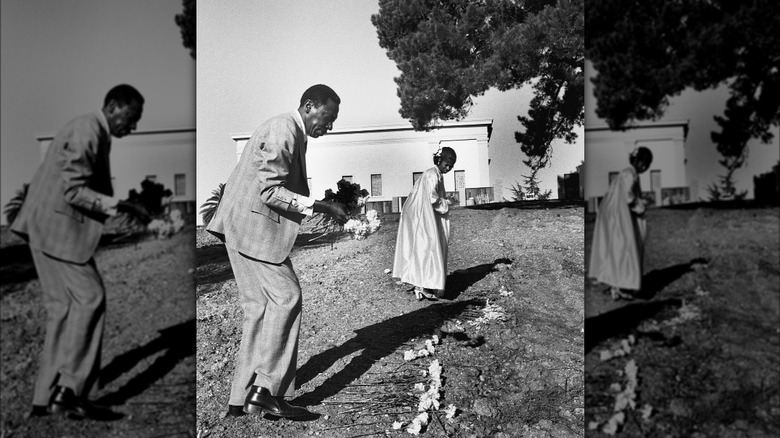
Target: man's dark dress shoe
{"points": [[64, 401], [260, 400], [38, 411], [235, 411]]}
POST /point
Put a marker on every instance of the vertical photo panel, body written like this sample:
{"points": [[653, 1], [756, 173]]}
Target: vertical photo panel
{"points": [[98, 224], [682, 149], [390, 230]]}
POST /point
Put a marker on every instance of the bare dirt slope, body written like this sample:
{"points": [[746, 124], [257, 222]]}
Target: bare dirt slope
{"points": [[704, 340], [148, 350], [518, 374]]}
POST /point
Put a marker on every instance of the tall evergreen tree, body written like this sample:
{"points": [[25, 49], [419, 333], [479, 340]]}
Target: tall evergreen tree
{"points": [[449, 52]]}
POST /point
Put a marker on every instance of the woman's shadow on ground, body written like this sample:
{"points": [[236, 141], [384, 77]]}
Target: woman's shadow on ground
{"points": [[624, 320], [656, 280], [462, 279]]}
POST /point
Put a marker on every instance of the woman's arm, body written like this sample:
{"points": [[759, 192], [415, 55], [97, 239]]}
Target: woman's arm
{"points": [[440, 204]]}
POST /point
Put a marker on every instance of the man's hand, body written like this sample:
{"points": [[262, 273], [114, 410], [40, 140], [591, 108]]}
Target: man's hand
{"points": [[339, 212], [639, 206], [336, 210], [136, 211]]}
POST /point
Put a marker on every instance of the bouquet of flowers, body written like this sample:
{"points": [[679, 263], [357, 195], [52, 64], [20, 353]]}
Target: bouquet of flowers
{"points": [[354, 198], [349, 194], [363, 225]]}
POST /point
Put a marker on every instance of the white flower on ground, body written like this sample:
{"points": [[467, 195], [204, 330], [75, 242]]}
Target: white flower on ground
{"points": [[419, 386], [417, 424], [614, 423], [451, 411], [435, 340], [430, 399], [625, 345], [397, 425], [646, 411], [623, 350], [429, 346], [435, 370], [491, 312], [410, 355]]}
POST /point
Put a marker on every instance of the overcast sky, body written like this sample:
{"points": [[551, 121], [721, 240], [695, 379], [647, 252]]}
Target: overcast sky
{"points": [[255, 59], [59, 59]]}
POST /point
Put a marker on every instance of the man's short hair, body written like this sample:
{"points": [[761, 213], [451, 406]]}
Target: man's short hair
{"points": [[320, 94], [123, 94]]}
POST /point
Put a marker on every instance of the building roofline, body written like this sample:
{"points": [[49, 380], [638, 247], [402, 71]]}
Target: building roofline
{"points": [[43, 137], [367, 129], [642, 125]]}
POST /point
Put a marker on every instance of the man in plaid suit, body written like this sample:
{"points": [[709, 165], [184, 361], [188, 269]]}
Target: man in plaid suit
{"points": [[69, 199], [258, 218]]}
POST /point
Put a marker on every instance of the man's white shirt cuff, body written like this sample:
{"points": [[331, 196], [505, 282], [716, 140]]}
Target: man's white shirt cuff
{"points": [[304, 204]]}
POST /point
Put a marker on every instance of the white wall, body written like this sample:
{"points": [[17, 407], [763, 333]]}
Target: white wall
{"points": [[607, 151], [395, 152], [162, 153]]}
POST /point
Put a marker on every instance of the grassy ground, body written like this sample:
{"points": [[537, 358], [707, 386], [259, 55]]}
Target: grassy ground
{"points": [[518, 374], [701, 350]]}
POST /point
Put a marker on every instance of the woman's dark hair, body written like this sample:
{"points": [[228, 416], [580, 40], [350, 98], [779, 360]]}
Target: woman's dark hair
{"points": [[641, 154], [445, 150]]}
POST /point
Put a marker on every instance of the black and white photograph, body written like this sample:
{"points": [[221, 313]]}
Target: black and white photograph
{"points": [[361, 218], [390, 229], [98, 194], [682, 148]]}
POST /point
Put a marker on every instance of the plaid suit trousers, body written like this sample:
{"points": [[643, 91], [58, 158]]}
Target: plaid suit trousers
{"points": [[270, 296], [75, 302]]}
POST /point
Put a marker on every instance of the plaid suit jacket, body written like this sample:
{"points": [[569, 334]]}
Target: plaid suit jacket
{"points": [[63, 213], [259, 214]]}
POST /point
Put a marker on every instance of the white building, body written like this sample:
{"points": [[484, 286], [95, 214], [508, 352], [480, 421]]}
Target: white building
{"points": [[386, 160], [165, 156], [607, 152]]}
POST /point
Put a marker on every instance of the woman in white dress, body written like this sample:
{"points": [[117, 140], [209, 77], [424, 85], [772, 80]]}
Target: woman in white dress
{"points": [[619, 235], [424, 231]]}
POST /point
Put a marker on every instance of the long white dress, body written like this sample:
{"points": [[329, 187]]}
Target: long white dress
{"points": [[423, 234], [619, 234]]}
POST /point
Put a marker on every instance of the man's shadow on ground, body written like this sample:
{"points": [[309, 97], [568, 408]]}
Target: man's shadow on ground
{"points": [[377, 341], [16, 266], [177, 341]]}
